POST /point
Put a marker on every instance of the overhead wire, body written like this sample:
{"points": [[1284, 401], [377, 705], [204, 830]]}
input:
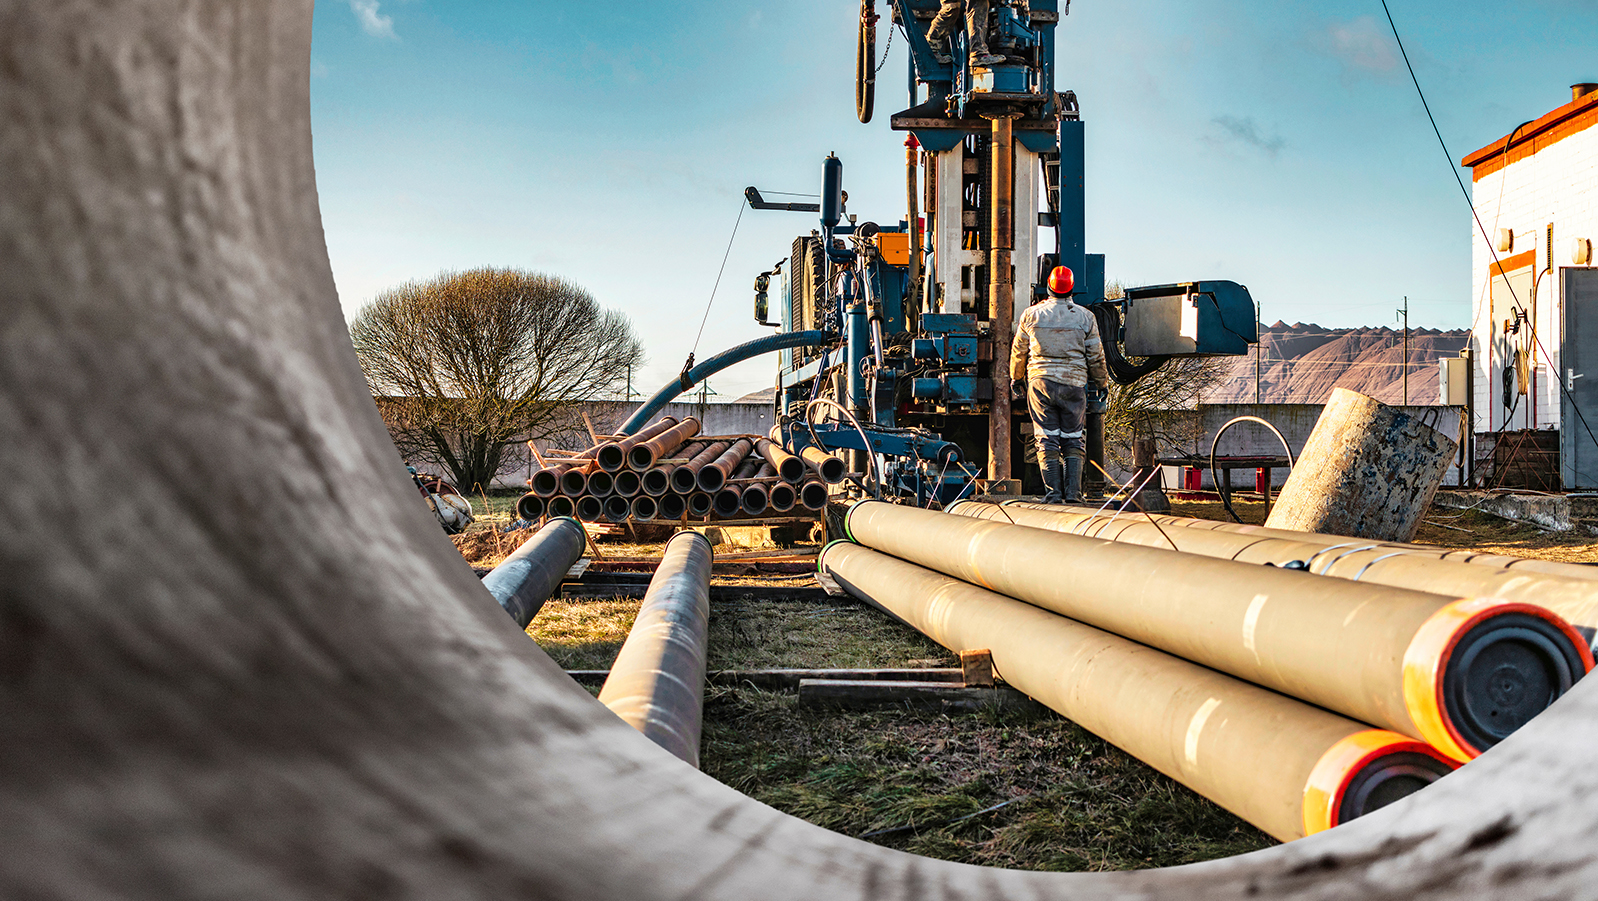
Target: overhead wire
{"points": [[742, 205], [1514, 297]]}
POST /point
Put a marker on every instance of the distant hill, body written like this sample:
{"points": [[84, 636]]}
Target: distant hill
{"points": [[1301, 364]]}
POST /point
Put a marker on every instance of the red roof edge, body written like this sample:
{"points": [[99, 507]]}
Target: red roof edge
{"points": [[1527, 132]]}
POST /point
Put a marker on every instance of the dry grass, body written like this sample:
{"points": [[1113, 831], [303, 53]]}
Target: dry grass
{"points": [[1442, 527]]}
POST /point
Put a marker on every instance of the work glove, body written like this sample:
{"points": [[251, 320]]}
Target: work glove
{"points": [[1017, 389]]}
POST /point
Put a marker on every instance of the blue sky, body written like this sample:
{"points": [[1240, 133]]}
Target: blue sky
{"points": [[1278, 144]]}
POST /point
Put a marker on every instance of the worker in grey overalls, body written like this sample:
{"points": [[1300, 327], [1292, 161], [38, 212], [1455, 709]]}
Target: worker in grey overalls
{"points": [[1056, 353], [976, 30]]}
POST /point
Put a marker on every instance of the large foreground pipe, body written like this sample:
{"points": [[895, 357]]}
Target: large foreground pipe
{"points": [[714, 474], [685, 478], [1574, 599], [303, 695], [532, 572], [730, 357], [643, 454], [657, 683], [790, 467], [1288, 768], [612, 455], [1460, 674]]}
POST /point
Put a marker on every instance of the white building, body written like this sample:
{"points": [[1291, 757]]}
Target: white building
{"points": [[1534, 291]]}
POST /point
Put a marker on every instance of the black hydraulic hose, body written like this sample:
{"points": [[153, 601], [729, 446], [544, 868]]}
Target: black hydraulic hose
{"points": [[1122, 370]]}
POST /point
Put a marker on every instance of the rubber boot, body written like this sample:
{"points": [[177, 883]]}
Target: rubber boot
{"points": [[1053, 480], [1073, 479]]}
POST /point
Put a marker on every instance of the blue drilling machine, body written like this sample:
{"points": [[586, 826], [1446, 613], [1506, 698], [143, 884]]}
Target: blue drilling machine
{"points": [[893, 338]]}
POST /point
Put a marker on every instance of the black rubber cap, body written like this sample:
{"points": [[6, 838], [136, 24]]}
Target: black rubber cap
{"points": [[1504, 671], [1386, 779]]}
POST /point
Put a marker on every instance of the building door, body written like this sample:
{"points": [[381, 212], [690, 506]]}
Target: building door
{"points": [[1578, 450]]}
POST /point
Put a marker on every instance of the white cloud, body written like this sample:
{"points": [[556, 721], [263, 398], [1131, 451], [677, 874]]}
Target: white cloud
{"points": [[372, 21], [1362, 45]]}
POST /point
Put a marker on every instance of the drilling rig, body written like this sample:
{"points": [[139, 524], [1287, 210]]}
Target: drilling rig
{"points": [[894, 337]]}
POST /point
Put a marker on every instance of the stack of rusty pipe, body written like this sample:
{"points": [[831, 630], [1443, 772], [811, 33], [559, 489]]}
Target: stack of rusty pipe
{"points": [[1296, 700], [669, 473]]}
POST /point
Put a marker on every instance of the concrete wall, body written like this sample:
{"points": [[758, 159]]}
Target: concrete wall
{"points": [[1557, 184], [1294, 421]]}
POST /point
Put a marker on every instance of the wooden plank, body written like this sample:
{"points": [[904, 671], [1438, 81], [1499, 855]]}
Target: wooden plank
{"points": [[860, 694], [977, 668], [593, 435], [789, 679], [719, 594]]}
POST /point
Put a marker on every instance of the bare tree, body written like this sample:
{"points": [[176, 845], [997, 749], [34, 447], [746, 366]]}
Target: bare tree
{"points": [[469, 363]]}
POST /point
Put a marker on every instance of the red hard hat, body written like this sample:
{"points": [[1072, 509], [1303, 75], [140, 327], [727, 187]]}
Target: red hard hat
{"points": [[1061, 281]]}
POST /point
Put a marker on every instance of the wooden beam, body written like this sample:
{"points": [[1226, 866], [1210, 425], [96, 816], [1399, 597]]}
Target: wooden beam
{"points": [[860, 694], [789, 679], [977, 667]]}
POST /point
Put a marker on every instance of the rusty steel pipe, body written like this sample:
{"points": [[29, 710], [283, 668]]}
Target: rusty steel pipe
{"points": [[1287, 767], [686, 453], [612, 455], [657, 683], [643, 454], [628, 483], [700, 503], [1460, 674], [644, 508], [685, 478], [561, 505], [601, 483], [590, 508], [813, 495], [831, 469], [546, 482], [790, 467], [729, 502], [530, 507], [574, 482], [1572, 595], [656, 482], [673, 506], [714, 474], [757, 495], [533, 572], [756, 499], [783, 497], [617, 509]]}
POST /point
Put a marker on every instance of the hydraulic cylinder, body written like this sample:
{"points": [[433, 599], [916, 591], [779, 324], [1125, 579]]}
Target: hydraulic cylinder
{"points": [[1460, 674], [657, 683], [1287, 767]]}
